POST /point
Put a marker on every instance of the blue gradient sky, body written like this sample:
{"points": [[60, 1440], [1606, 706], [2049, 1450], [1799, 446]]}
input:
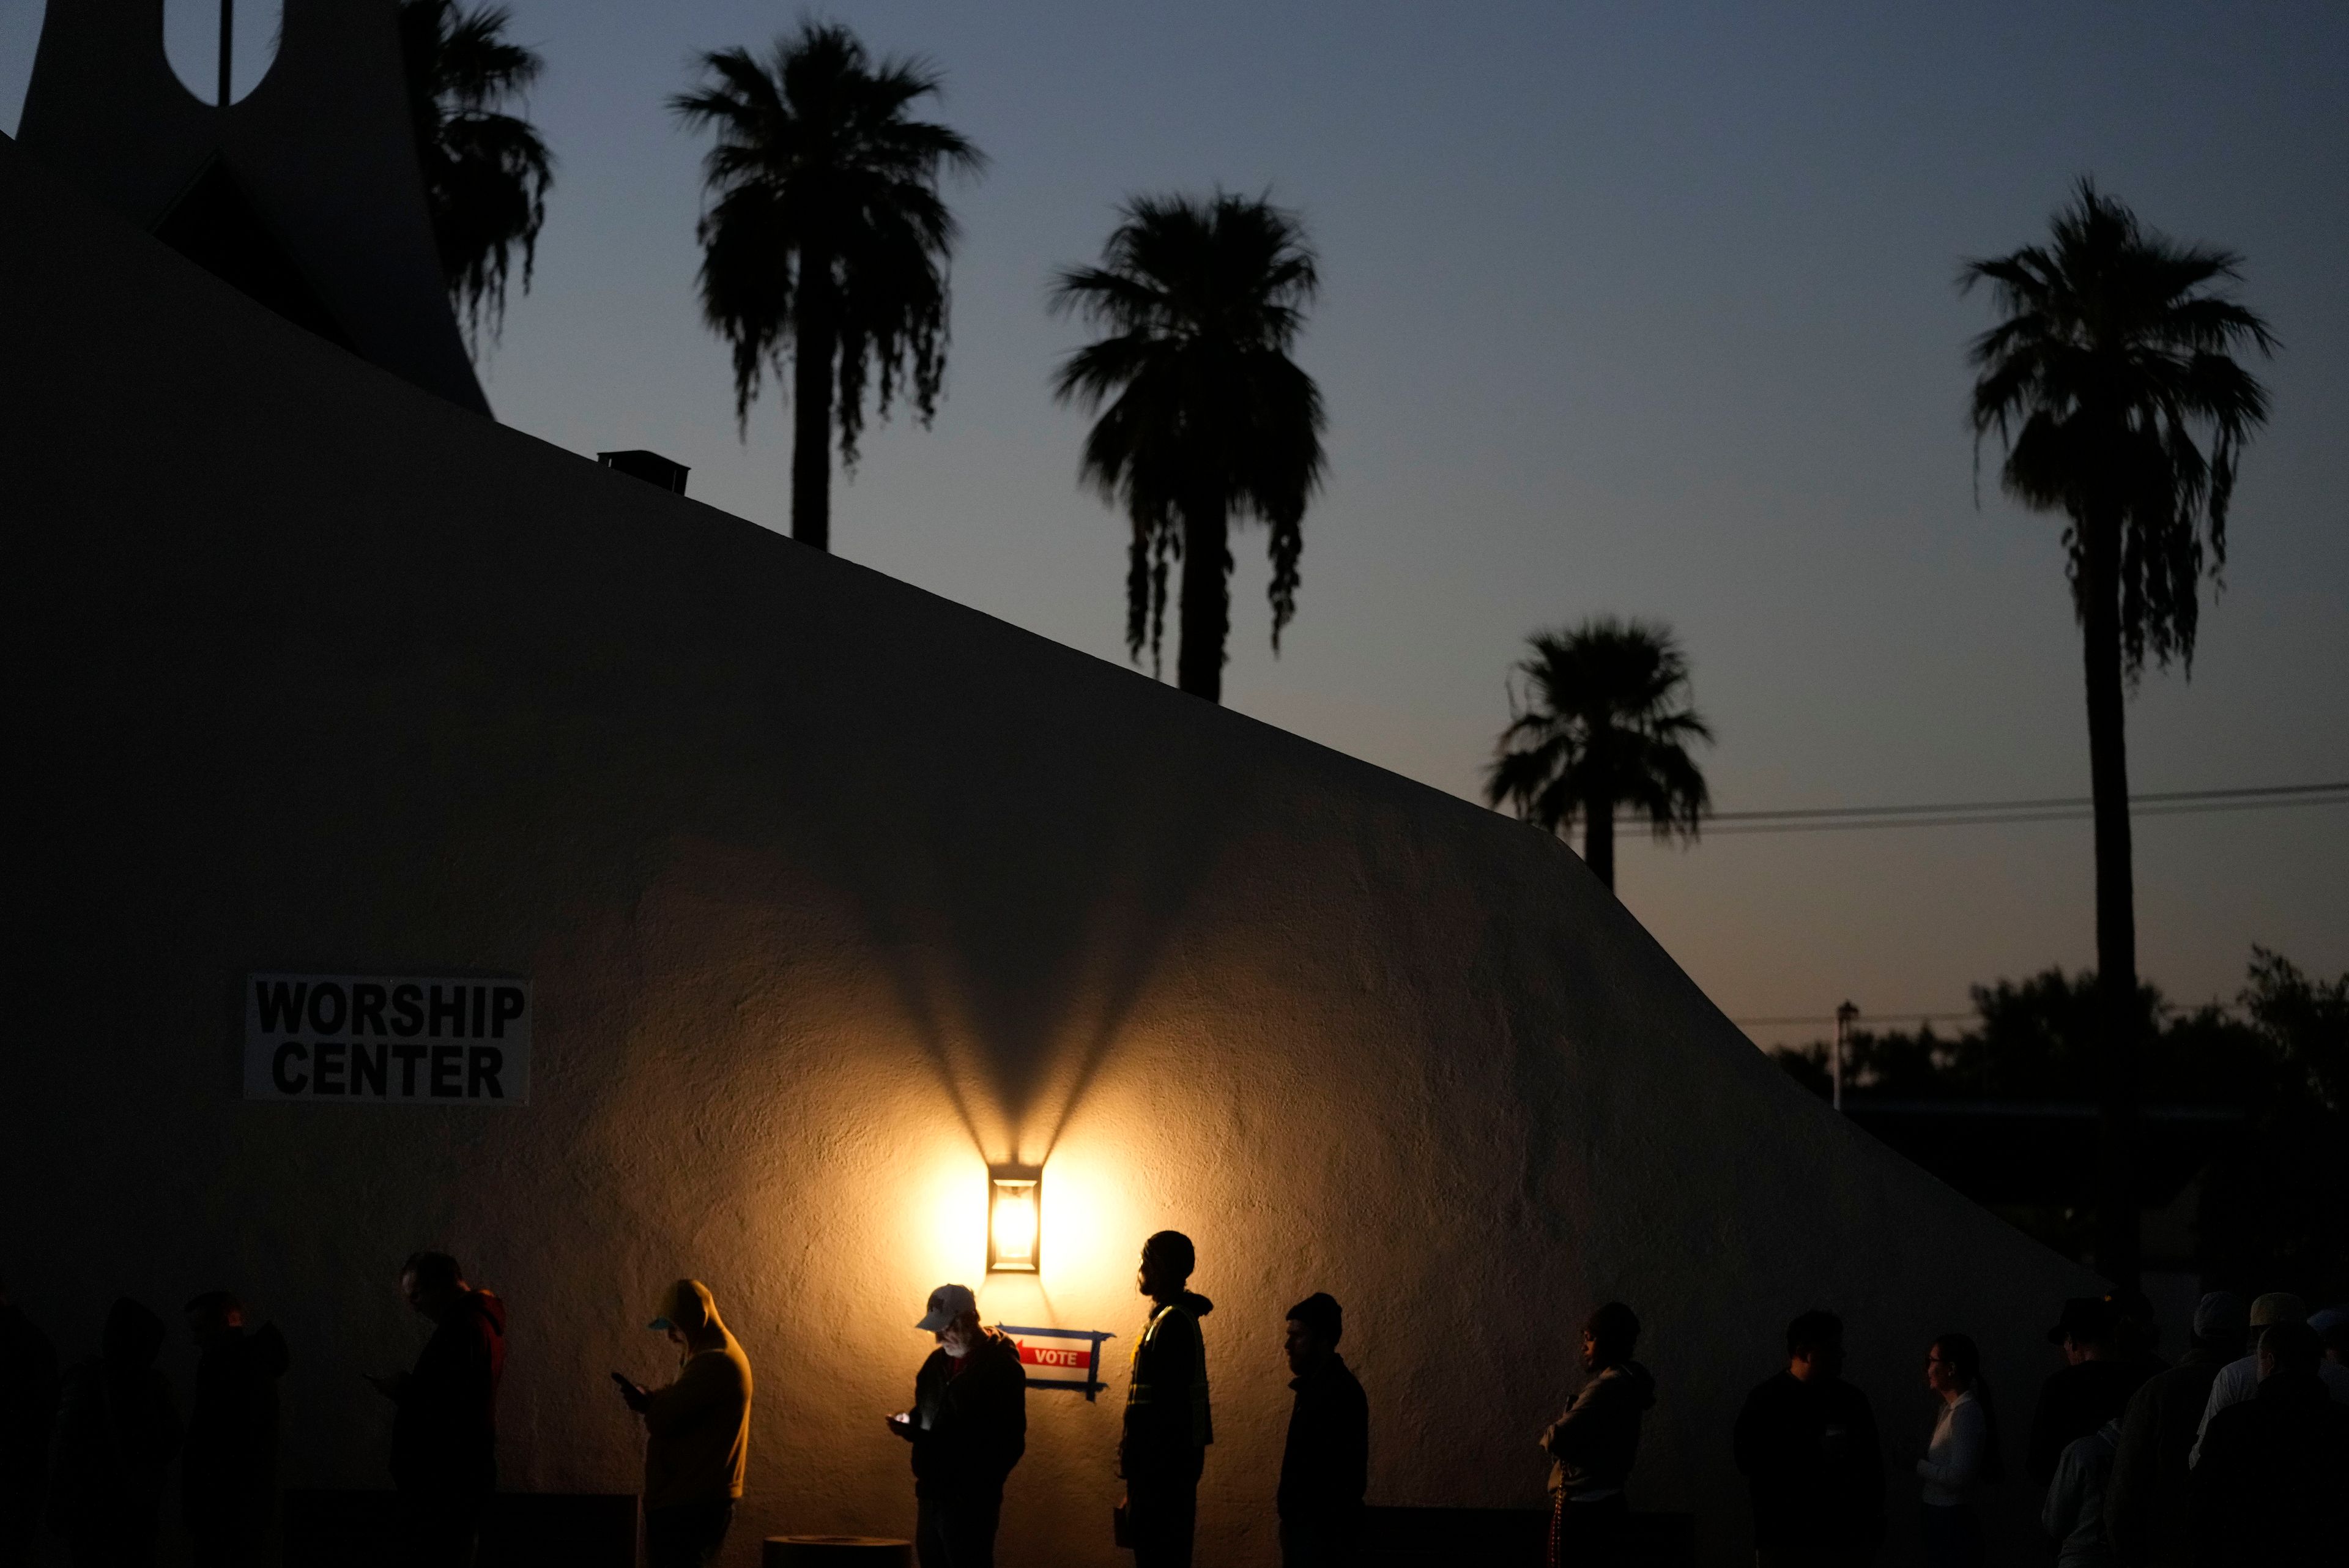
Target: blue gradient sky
{"points": [[1643, 310]]}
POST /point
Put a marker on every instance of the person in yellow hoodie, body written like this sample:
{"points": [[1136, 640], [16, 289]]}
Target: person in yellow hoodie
{"points": [[697, 1433]]}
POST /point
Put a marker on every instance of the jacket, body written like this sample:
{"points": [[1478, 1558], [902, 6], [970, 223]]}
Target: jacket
{"points": [[2074, 1403], [2074, 1514], [1959, 1458], [970, 1422], [2239, 1380], [1325, 1463], [2148, 1513], [231, 1460], [118, 1428], [1810, 1452], [1169, 1421], [1596, 1440], [445, 1435], [698, 1429], [2274, 1472]]}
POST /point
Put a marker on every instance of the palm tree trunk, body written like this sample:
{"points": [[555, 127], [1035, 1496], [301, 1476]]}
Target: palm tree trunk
{"points": [[1206, 600], [815, 338], [1599, 839], [2116, 1000]]}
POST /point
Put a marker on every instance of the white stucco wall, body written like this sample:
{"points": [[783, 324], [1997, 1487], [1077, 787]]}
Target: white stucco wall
{"points": [[832, 891]]}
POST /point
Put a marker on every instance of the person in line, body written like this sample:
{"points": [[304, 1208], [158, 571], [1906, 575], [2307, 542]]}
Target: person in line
{"points": [[1595, 1443], [2272, 1487], [2148, 1515], [2332, 1327], [228, 1482], [2239, 1380], [1962, 1456], [967, 1426], [2094, 1387], [1807, 1443], [444, 1438], [1325, 1465], [2074, 1513], [1169, 1422], [697, 1432], [28, 1410], [118, 1428]]}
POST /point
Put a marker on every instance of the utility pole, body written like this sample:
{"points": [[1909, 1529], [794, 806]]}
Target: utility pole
{"points": [[228, 35], [1844, 1017]]}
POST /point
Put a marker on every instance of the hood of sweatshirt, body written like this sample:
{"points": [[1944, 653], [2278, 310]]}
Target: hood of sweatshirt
{"points": [[692, 1310], [1195, 1303]]}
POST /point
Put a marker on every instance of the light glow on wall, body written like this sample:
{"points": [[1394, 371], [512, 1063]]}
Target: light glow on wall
{"points": [[1014, 1220]]}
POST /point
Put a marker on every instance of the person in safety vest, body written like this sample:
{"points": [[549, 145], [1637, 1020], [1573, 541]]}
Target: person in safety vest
{"points": [[1168, 1425]]}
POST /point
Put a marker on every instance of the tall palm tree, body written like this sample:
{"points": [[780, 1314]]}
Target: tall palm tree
{"points": [[1601, 721], [2110, 378], [1208, 417], [486, 173], [826, 236]]}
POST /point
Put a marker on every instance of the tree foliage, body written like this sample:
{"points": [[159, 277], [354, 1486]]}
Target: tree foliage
{"points": [[1203, 416], [486, 172], [824, 187]]}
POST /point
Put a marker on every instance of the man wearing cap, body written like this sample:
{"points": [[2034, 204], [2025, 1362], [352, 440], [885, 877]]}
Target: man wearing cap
{"points": [[2094, 1387], [2240, 1379], [697, 1433], [969, 1426], [2147, 1513]]}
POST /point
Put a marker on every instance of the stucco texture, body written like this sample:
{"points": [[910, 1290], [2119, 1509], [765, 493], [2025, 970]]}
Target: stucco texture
{"points": [[832, 891]]}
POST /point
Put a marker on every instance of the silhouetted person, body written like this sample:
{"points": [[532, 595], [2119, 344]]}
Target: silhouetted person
{"points": [[697, 1433], [2272, 1490], [2136, 1332], [1807, 1443], [1962, 1456], [2239, 1380], [969, 1426], [28, 1414], [118, 1428], [228, 1481], [2094, 1387], [1325, 1465], [2147, 1506], [2074, 1512], [1168, 1420], [444, 1440], [1595, 1442]]}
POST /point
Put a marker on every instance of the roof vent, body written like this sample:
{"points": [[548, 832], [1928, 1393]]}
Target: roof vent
{"points": [[649, 466]]}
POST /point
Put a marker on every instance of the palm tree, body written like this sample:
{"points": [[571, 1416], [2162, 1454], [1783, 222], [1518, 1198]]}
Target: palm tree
{"points": [[486, 173], [1601, 721], [825, 233], [2111, 356], [1207, 418]]}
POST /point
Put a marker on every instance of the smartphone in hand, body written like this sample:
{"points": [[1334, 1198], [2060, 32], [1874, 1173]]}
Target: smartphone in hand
{"points": [[630, 1391]]}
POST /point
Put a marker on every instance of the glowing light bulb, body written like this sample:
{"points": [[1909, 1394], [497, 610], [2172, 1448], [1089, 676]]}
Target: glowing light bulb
{"points": [[1012, 1224]]}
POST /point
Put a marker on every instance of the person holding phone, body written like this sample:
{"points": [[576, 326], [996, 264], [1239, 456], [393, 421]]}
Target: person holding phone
{"points": [[697, 1432], [969, 1426]]}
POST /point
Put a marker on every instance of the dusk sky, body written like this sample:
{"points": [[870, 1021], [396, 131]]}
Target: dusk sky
{"points": [[1636, 309]]}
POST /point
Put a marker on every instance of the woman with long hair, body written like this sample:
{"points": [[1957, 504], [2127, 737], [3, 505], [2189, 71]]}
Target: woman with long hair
{"points": [[1962, 1456]]}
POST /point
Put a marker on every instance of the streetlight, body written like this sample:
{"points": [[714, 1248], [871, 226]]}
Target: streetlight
{"points": [[1844, 1017]]}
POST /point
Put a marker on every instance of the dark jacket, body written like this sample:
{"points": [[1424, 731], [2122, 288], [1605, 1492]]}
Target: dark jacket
{"points": [[118, 1428], [1810, 1452], [2074, 1403], [1595, 1442], [231, 1460], [445, 1437], [1168, 1419], [2269, 1489], [28, 1407], [1325, 1467], [970, 1424], [2148, 1509]]}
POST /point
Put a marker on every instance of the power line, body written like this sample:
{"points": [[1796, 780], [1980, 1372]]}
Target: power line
{"points": [[1999, 813], [1870, 1017]]}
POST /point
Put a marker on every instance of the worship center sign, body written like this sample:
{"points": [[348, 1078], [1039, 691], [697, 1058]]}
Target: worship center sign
{"points": [[386, 1039]]}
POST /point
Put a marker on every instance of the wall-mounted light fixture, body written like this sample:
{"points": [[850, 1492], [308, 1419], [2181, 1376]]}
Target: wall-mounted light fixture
{"points": [[1015, 1214]]}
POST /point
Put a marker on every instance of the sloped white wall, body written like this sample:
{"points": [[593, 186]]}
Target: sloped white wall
{"points": [[832, 892]]}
